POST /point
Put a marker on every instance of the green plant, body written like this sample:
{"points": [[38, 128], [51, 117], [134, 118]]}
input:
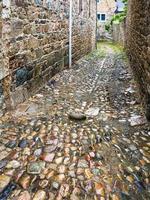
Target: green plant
{"points": [[117, 18], [107, 27]]}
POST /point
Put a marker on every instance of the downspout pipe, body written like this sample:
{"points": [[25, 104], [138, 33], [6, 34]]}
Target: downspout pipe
{"points": [[96, 26], [70, 35]]}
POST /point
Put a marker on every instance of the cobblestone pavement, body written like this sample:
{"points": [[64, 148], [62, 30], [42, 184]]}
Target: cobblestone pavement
{"points": [[83, 136]]}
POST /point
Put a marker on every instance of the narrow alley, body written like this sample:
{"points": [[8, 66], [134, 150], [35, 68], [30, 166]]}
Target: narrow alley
{"points": [[83, 136]]}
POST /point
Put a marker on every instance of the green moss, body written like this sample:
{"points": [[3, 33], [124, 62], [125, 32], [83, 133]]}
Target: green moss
{"points": [[96, 54], [112, 45], [103, 47]]}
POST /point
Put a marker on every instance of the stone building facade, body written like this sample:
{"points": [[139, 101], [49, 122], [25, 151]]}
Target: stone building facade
{"points": [[105, 11], [34, 40], [138, 46]]}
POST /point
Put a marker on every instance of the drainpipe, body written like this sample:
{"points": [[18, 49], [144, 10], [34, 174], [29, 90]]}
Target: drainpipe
{"points": [[96, 27], [70, 35]]}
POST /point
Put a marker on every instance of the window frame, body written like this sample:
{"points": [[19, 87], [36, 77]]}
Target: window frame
{"points": [[100, 20]]}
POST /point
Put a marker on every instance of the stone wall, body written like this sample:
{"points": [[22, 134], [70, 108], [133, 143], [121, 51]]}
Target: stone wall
{"points": [[138, 45], [84, 27], [35, 38], [119, 32], [0, 34], [1, 64]]}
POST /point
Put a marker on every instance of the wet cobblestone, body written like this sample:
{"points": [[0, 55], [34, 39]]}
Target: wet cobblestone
{"points": [[47, 155]]}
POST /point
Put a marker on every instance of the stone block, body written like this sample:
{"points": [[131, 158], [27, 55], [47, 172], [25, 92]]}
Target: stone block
{"points": [[21, 76], [19, 96]]}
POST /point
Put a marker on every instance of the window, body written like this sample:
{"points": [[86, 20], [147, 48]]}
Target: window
{"points": [[101, 17], [98, 16]]}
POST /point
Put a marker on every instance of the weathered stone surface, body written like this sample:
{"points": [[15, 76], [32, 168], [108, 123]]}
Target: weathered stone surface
{"points": [[24, 181], [35, 167], [92, 112], [4, 181], [137, 120], [38, 152], [35, 42], [40, 195], [14, 164], [59, 160], [55, 185], [11, 144], [48, 157], [137, 47], [119, 32], [83, 164], [50, 148], [3, 163], [8, 190], [24, 196], [77, 116], [23, 143], [98, 158]]}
